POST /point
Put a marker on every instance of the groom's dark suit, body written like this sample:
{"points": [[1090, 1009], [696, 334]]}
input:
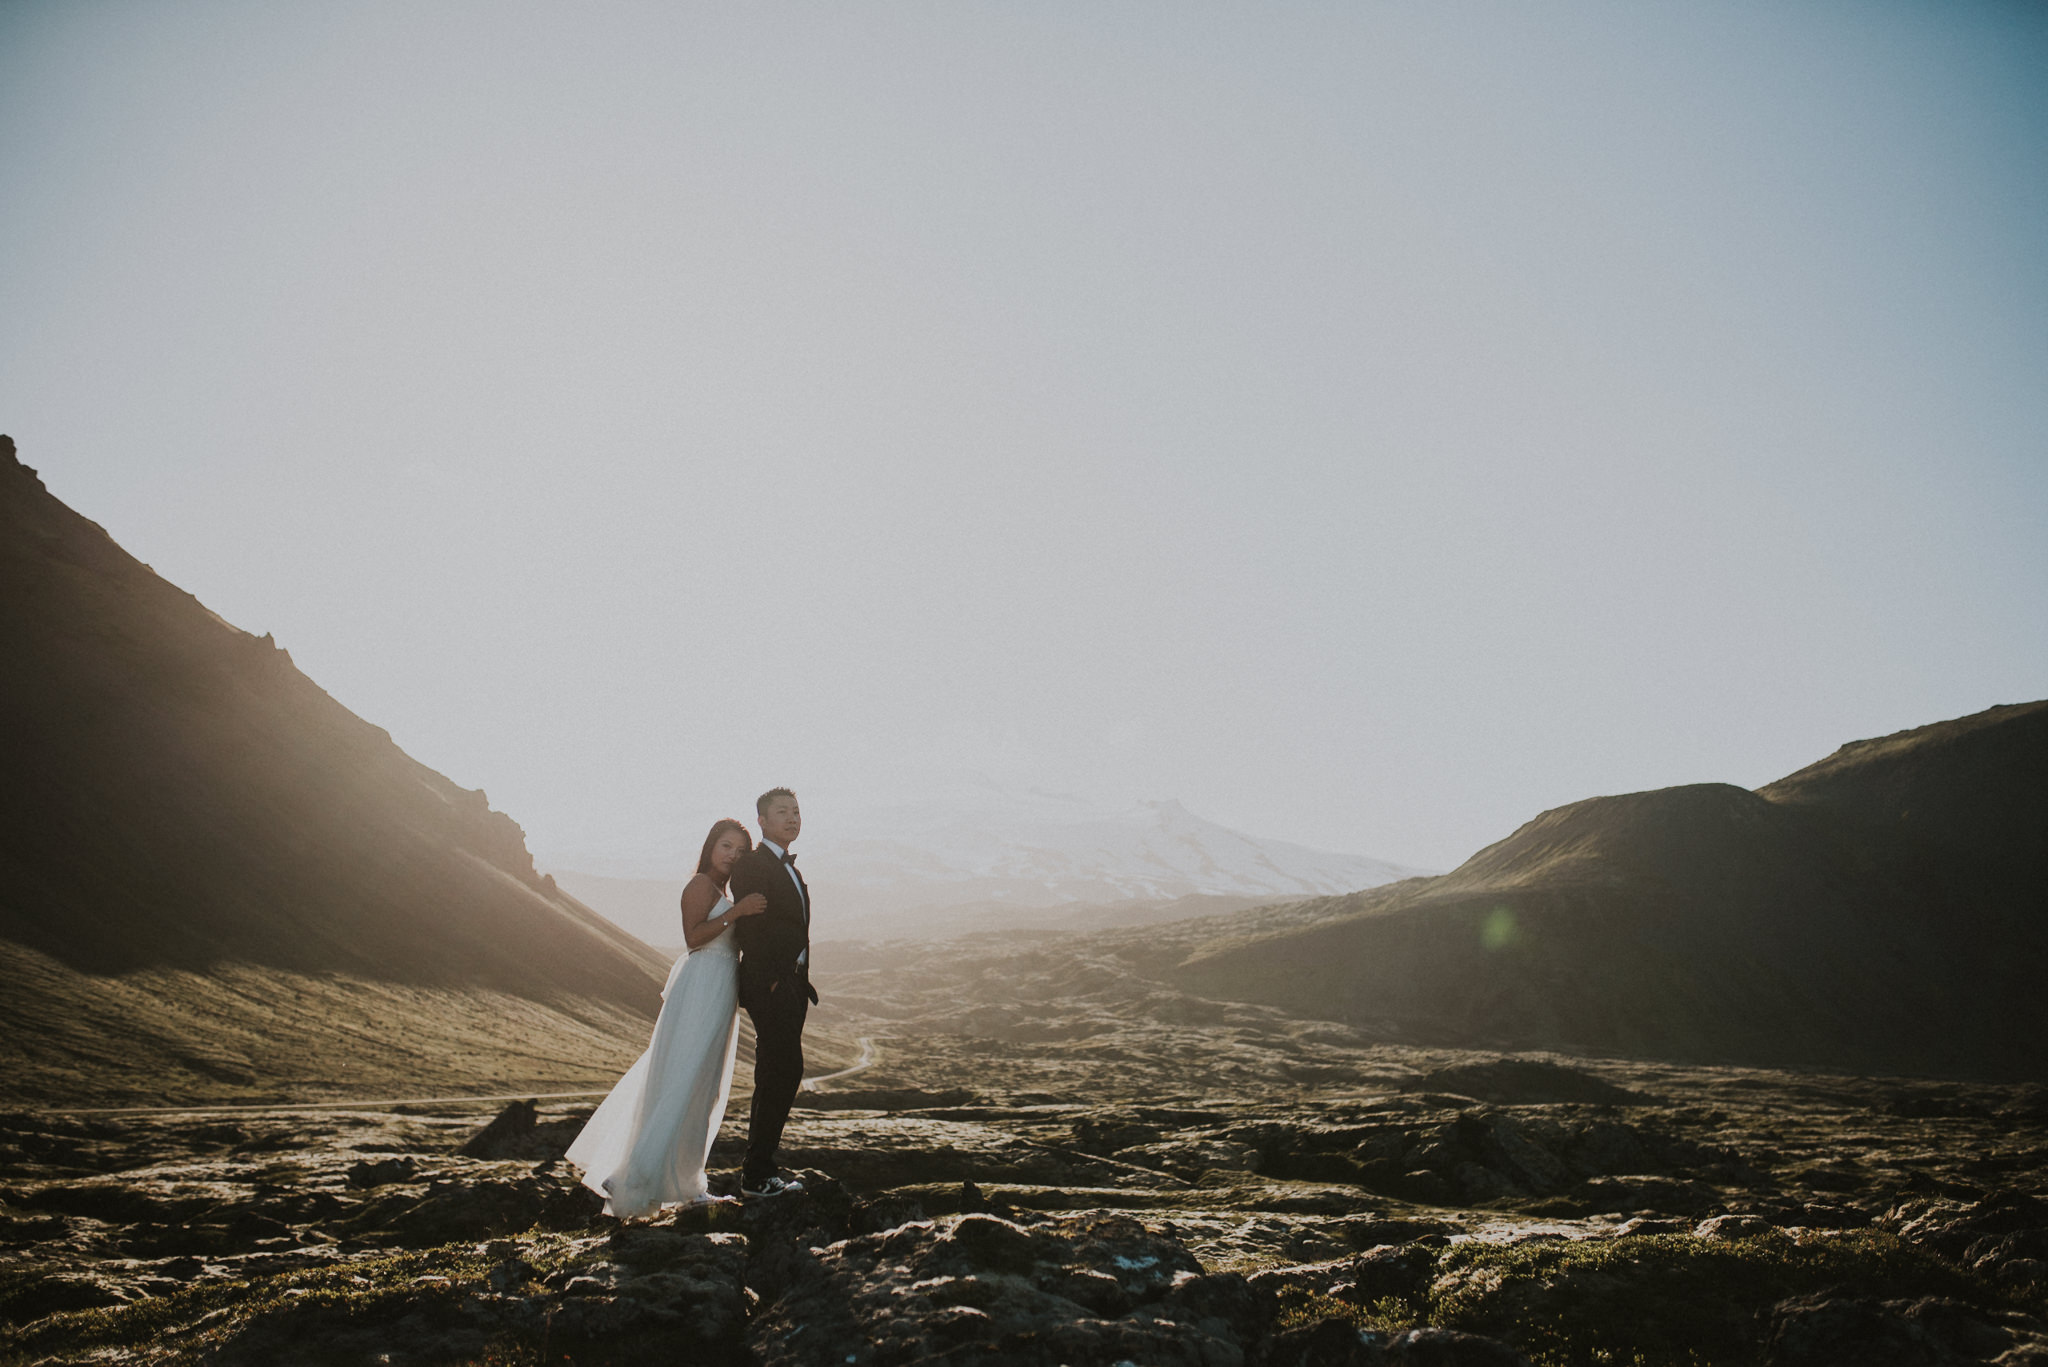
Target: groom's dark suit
{"points": [[775, 988]]}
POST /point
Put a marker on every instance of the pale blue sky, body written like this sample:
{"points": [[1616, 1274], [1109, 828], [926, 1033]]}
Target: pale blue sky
{"points": [[1369, 423]]}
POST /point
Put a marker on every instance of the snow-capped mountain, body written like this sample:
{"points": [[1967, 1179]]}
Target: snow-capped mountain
{"points": [[1054, 850], [980, 848]]}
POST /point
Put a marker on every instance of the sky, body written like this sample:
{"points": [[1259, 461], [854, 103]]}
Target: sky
{"points": [[1370, 424]]}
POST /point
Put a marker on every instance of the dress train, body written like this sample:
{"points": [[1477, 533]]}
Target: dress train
{"points": [[646, 1144]]}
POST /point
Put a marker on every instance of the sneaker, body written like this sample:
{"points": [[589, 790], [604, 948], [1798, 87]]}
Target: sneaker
{"points": [[710, 1198], [773, 1185]]}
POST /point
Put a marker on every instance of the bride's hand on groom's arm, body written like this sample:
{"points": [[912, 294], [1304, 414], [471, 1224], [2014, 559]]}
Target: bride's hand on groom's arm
{"points": [[753, 904]]}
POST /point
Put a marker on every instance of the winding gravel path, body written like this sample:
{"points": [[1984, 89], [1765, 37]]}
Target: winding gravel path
{"points": [[867, 1058]]}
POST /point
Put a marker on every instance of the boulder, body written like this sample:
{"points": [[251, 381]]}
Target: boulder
{"points": [[656, 1295], [517, 1132], [2027, 1275], [1515, 1150], [1606, 1148], [1224, 1307], [506, 1131], [1403, 1271], [1954, 1229]]}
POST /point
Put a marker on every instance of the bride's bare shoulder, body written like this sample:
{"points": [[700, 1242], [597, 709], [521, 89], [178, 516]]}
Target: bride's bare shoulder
{"points": [[699, 892]]}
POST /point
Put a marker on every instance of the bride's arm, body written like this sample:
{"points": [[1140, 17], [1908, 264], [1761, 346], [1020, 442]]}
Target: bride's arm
{"points": [[700, 928]]}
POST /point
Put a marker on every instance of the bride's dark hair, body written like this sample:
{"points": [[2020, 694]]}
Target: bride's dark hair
{"points": [[719, 828]]}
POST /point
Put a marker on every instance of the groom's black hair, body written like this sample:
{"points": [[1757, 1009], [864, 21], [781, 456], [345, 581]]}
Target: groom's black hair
{"points": [[761, 802]]}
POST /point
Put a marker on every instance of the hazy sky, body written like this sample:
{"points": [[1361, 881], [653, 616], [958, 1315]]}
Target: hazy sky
{"points": [[1370, 424]]}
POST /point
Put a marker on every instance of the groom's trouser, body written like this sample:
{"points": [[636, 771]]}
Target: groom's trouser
{"points": [[778, 1071]]}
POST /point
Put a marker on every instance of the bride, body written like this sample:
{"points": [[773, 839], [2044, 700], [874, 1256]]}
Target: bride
{"points": [[645, 1146]]}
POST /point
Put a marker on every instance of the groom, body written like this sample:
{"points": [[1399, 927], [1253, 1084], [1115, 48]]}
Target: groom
{"points": [[774, 983]]}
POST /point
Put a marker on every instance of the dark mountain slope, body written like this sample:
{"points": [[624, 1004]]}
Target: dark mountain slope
{"points": [[176, 798], [1882, 910], [1959, 808]]}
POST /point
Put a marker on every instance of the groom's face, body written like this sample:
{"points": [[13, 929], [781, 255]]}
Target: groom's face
{"points": [[781, 820]]}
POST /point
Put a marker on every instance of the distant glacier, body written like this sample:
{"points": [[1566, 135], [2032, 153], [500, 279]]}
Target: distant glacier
{"points": [[984, 848]]}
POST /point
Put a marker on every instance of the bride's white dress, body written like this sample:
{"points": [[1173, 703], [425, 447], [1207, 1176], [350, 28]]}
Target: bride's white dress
{"points": [[645, 1147]]}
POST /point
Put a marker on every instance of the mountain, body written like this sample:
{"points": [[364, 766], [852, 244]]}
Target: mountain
{"points": [[978, 855], [1885, 909], [216, 880]]}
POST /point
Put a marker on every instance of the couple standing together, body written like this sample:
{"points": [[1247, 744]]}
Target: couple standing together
{"points": [[747, 932]]}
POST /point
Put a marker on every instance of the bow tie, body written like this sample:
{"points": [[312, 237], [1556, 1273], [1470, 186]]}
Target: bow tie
{"points": [[789, 857]]}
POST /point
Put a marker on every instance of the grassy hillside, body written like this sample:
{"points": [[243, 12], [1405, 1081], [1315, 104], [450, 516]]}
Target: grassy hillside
{"points": [[1881, 910], [215, 876], [248, 1032]]}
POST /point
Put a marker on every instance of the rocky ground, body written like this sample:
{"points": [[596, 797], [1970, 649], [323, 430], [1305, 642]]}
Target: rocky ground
{"points": [[1044, 1162]]}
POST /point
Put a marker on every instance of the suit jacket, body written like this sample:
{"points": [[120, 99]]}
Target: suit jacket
{"points": [[770, 943]]}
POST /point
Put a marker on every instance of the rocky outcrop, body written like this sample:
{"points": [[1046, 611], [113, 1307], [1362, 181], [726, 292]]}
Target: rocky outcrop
{"points": [[517, 1132], [1521, 1082], [648, 1295], [453, 1209], [2005, 1234], [1033, 1289], [843, 1280], [1828, 1329], [653, 1295], [1583, 1162]]}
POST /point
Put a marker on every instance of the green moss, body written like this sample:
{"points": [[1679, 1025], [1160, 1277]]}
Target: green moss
{"points": [[195, 1321], [1300, 1308], [1669, 1300]]}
